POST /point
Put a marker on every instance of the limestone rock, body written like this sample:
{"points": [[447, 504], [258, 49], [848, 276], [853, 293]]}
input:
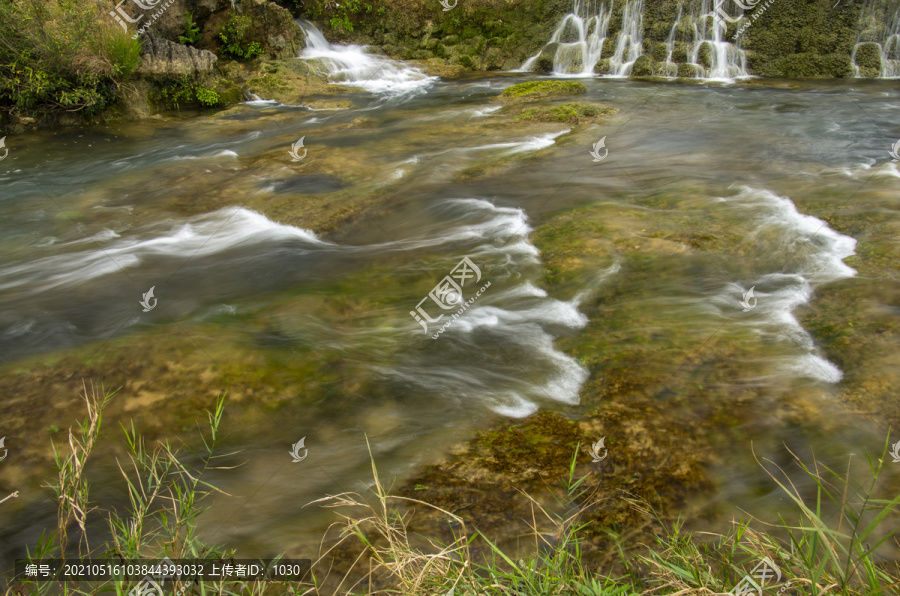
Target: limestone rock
{"points": [[164, 58]]}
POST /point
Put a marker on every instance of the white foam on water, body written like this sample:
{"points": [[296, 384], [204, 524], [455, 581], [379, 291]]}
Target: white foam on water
{"points": [[533, 143], [512, 312], [816, 253], [201, 236], [351, 65], [480, 112]]}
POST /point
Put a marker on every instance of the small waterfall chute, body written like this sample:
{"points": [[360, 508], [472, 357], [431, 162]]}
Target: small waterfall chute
{"points": [[352, 65], [876, 53]]}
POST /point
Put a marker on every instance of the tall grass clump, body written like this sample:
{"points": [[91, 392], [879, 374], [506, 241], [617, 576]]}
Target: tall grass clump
{"points": [[166, 491], [827, 550]]}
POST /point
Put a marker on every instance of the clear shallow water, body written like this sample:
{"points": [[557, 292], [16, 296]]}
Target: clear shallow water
{"points": [[91, 219]]}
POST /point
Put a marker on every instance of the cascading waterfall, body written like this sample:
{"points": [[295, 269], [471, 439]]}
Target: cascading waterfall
{"points": [[630, 39], [579, 40], [695, 47], [719, 59], [877, 49], [351, 65]]}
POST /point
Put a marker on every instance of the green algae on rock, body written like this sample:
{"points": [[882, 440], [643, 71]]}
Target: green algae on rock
{"points": [[532, 90], [568, 113]]}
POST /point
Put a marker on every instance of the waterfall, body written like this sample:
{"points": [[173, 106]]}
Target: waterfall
{"points": [[351, 65], [877, 49], [694, 48], [629, 41], [578, 40], [721, 60]]}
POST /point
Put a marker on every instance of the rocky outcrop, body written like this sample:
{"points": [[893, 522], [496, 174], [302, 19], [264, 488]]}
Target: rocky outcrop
{"points": [[281, 35], [162, 58]]}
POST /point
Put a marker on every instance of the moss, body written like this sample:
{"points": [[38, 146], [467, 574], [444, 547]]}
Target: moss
{"points": [[229, 92], [660, 51], [868, 56], [544, 62], [570, 113], [689, 71], [602, 67], [704, 57], [643, 66], [539, 89]]}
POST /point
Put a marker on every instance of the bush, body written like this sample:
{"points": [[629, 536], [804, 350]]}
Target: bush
{"points": [[61, 55], [235, 39]]}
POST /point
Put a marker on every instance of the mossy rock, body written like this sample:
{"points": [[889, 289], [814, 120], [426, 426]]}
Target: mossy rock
{"points": [[609, 48], [450, 40], [602, 67], [430, 44], [643, 66], [493, 59], [531, 90], [229, 92], [680, 52], [544, 62], [704, 56], [665, 69], [689, 71], [660, 51], [868, 58], [568, 113], [659, 31]]}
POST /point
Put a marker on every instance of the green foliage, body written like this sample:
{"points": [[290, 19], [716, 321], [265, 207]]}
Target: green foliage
{"points": [[236, 42], [207, 96], [185, 91], [191, 30], [62, 55]]}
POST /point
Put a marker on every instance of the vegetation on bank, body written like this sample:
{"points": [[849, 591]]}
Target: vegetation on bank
{"points": [[62, 55], [830, 545]]}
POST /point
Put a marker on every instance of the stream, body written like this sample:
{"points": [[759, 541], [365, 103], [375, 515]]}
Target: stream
{"points": [[323, 327]]}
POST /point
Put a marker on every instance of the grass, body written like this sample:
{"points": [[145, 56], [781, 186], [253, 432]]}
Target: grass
{"points": [[832, 546], [58, 55]]}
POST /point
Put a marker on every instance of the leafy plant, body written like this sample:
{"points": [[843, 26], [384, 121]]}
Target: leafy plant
{"points": [[191, 30], [206, 96], [235, 39]]}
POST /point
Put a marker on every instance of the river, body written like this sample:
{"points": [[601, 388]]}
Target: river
{"points": [[707, 191]]}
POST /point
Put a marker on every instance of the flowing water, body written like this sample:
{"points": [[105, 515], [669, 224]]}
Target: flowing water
{"points": [[580, 39], [879, 23], [316, 334]]}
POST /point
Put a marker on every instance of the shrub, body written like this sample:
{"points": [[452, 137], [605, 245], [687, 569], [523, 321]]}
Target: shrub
{"points": [[235, 39]]}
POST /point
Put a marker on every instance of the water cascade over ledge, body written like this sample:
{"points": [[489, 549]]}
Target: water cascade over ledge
{"points": [[582, 44], [877, 50]]}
